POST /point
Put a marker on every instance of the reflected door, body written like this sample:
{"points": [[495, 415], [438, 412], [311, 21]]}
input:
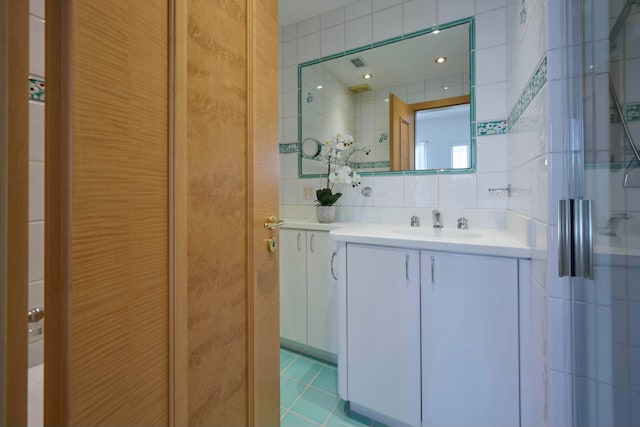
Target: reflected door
{"points": [[402, 134]]}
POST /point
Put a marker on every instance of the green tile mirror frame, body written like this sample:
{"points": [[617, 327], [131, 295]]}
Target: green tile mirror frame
{"points": [[350, 93]]}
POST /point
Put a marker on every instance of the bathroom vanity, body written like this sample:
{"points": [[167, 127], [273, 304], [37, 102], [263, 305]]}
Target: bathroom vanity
{"points": [[308, 289], [428, 324]]}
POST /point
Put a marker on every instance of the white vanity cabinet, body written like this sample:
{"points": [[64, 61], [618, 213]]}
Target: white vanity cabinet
{"points": [[383, 331], [308, 296], [469, 306], [429, 338]]}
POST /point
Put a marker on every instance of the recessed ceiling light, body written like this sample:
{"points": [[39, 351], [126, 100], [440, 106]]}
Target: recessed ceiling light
{"points": [[436, 31], [319, 87], [367, 76], [441, 60]]}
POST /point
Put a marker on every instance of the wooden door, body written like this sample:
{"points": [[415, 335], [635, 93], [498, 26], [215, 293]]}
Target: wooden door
{"points": [[263, 296], [107, 352], [14, 144], [402, 138], [161, 170], [230, 185]]}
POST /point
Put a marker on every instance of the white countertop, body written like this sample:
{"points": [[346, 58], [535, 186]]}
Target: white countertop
{"points": [[484, 241]]}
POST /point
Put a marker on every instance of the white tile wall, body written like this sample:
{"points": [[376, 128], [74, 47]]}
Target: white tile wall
{"points": [[491, 102], [357, 9], [359, 32], [491, 28], [332, 40], [421, 191], [419, 14], [458, 191], [452, 10], [363, 22], [36, 46], [387, 23]]}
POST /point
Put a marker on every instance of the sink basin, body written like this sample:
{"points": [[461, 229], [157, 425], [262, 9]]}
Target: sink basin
{"points": [[438, 232]]}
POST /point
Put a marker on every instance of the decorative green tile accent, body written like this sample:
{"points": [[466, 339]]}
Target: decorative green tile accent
{"points": [[36, 89], [491, 128], [633, 112], [613, 115], [370, 165], [533, 86], [288, 148]]}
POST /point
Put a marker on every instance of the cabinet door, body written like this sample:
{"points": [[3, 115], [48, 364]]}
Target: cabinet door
{"points": [[293, 285], [383, 331], [469, 340], [322, 309]]}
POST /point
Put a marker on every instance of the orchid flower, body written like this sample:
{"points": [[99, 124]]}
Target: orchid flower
{"points": [[335, 152]]}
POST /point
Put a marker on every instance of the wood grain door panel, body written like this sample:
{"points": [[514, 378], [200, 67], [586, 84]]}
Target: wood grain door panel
{"points": [[107, 250]]}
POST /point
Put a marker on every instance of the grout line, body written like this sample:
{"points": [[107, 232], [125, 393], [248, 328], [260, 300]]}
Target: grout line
{"points": [[333, 411], [290, 363]]}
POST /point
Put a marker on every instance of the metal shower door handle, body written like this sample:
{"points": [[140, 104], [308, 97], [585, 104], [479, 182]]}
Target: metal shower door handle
{"points": [[575, 238]]}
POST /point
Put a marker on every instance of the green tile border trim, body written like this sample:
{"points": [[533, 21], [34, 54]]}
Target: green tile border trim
{"points": [[36, 89], [531, 89], [368, 165], [472, 66], [287, 148], [497, 127], [632, 111]]}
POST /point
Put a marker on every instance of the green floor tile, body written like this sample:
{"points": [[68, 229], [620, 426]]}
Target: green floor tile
{"points": [[289, 391], [286, 357], [293, 420], [327, 380], [315, 405], [303, 369]]}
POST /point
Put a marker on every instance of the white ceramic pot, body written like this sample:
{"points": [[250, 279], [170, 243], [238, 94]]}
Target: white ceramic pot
{"points": [[325, 214]]}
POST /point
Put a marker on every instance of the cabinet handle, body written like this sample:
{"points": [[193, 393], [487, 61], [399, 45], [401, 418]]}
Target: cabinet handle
{"points": [[406, 266], [298, 241], [311, 243], [333, 256], [433, 270]]}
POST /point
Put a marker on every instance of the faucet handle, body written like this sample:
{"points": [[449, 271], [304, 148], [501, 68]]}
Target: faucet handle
{"points": [[463, 224], [415, 221]]}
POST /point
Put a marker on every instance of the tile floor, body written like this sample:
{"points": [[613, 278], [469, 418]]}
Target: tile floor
{"points": [[309, 394]]}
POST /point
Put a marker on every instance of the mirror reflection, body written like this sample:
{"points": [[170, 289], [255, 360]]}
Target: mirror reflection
{"points": [[412, 109]]}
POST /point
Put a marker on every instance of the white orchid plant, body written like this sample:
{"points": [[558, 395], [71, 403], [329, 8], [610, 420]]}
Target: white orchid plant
{"points": [[335, 153]]}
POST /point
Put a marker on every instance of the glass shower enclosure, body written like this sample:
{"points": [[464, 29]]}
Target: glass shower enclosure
{"points": [[605, 168]]}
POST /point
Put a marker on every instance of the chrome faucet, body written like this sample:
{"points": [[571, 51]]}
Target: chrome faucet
{"points": [[612, 223], [415, 221], [436, 219]]}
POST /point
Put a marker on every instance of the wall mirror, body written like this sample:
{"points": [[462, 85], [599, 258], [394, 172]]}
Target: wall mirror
{"points": [[414, 111]]}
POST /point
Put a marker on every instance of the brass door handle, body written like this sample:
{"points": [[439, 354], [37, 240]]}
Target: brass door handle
{"points": [[35, 314], [273, 222]]}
